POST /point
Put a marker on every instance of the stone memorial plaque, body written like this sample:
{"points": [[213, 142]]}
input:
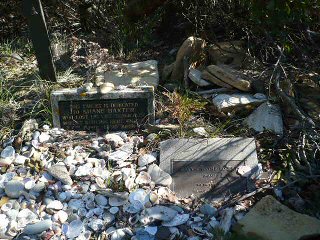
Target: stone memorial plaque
{"points": [[207, 167], [118, 110]]}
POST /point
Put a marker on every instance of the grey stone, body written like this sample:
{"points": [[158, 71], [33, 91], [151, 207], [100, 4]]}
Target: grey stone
{"points": [[270, 220], [236, 101], [28, 126], [208, 210], [7, 156], [117, 110], [38, 227], [136, 74], [61, 173], [195, 76], [266, 117], [207, 167], [14, 189]]}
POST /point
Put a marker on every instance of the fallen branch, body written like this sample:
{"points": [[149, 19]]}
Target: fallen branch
{"points": [[290, 102]]}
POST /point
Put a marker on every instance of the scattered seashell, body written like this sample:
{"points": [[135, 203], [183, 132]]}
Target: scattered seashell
{"points": [[3, 201], [87, 87], [153, 197]]}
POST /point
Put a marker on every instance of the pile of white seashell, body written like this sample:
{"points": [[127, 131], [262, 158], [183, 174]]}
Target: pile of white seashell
{"points": [[64, 185]]}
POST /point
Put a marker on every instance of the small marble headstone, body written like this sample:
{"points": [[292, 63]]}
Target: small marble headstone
{"points": [[117, 110], [207, 167]]}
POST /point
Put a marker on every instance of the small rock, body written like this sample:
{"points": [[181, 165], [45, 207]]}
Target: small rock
{"points": [[28, 126], [14, 189], [101, 200], [114, 139], [208, 210], [106, 87], [38, 227], [166, 194], [151, 138], [159, 176], [278, 221], [266, 117], [60, 172], [116, 201], [236, 101], [244, 171], [62, 216], [177, 220], [143, 178], [118, 234], [225, 221], [163, 233], [44, 137], [7, 156], [114, 210], [20, 159], [75, 229], [195, 76], [201, 131], [87, 86], [55, 205], [146, 159]]}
